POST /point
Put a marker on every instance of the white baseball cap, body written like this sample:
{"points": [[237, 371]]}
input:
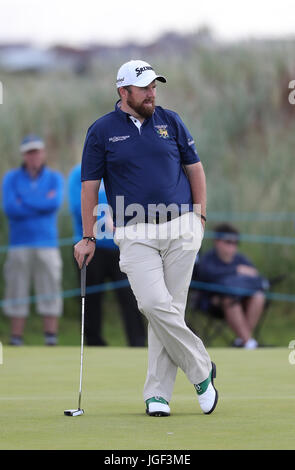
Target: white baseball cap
{"points": [[137, 73]]}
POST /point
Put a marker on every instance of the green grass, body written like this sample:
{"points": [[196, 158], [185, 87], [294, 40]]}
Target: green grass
{"points": [[255, 411]]}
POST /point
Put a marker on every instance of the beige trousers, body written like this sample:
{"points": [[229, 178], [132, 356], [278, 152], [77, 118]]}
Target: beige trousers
{"points": [[158, 260]]}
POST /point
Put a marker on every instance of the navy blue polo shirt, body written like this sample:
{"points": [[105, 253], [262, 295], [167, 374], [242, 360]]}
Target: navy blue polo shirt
{"points": [[144, 165]]}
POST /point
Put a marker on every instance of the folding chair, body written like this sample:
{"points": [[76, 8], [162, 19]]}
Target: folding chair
{"points": [[208, 324]]}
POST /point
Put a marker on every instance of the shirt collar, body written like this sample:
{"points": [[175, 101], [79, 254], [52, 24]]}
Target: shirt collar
{"points": [[119, 110]]}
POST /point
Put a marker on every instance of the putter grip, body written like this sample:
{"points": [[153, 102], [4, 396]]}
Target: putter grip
{"points": [[83, 279]]}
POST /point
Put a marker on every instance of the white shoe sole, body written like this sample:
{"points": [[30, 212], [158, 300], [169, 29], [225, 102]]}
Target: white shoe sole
{"points": [[158, 409]]}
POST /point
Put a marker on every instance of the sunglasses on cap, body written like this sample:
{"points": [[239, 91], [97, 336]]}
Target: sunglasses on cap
{"points": [[230, 239]]}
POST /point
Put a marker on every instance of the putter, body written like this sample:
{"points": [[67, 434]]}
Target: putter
{"points": [[79, 411]]}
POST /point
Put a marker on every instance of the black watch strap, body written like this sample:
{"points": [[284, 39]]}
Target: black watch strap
{"points": [[90, 239]]}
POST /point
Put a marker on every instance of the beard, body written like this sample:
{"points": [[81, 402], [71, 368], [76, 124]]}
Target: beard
{"points": [[144, 109]]}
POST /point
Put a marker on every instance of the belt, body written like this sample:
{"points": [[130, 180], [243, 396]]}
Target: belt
{"points": [[160, 219], [149, 219]]}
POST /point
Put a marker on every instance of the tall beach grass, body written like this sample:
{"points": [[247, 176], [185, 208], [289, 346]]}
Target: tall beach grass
{"points": [[234, 100]]}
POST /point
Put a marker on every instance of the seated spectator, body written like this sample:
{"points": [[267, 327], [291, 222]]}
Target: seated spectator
{"points": [[32, 196], [235, 287]]}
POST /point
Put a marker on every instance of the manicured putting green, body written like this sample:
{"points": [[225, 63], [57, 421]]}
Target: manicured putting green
{"points": [[256, 408]]}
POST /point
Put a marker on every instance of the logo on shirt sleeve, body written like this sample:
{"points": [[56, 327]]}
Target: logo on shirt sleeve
{"points": [[162, 131]]}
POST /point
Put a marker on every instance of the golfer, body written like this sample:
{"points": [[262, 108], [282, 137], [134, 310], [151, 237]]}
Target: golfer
{"points": [[156, 188]]}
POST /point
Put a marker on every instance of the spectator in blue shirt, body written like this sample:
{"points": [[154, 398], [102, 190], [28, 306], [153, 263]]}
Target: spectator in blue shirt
{"points": [[32, 196], [105, 265], [239, 287]]}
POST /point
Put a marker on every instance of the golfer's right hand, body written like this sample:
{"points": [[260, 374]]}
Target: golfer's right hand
{"points": [[84, 248]]}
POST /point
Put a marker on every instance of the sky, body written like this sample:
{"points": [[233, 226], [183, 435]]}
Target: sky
{"points": [[118, 21]]}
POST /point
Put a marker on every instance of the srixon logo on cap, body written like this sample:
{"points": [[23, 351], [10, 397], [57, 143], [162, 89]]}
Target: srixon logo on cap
{"points": [[139, 70]]}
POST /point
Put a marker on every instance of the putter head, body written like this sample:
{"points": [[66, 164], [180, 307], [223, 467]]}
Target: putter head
{"points": [[77, 412]]}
